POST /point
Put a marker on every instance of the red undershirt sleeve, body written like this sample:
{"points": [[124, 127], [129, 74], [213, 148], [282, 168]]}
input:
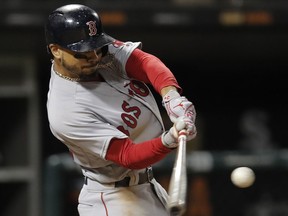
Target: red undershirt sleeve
{"points": [[136, 156], [149, 69]]}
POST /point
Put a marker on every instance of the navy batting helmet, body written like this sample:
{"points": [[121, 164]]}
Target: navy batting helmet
{"points": [[77, 28]]}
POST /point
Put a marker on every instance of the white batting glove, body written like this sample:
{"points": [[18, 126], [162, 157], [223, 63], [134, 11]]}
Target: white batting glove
{"points": [[170, 138], [178, 106]]}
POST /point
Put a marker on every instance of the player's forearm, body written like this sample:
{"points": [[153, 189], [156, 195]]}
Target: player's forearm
{"points": [[136, 156]]}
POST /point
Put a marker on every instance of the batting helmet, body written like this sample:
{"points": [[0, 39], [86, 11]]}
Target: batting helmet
{"points": [[77, 28]]}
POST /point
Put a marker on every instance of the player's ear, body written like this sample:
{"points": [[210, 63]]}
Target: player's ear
{"points": [[55, 51]]}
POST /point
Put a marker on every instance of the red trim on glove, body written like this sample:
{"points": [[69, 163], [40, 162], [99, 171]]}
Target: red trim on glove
{"points": [[136, 156], [149, 69]]}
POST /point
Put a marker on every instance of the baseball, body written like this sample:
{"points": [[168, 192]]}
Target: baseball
{"points": [[243, 177]]}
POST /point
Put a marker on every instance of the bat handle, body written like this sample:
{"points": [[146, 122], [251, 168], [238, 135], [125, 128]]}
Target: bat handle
{"points": [[182, 136]]}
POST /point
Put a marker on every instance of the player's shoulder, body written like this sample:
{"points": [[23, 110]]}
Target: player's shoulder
{"points": [[127, 45]]}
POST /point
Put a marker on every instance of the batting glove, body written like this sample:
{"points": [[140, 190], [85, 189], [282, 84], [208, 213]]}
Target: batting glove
{"points": [[170, 137], [178, 106]]}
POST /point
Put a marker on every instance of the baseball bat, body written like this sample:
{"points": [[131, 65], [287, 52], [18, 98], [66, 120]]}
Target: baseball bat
{"points": [[178, 181]]}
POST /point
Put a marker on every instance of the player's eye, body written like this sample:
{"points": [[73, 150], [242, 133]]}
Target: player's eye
{"points": [[102, 51]]}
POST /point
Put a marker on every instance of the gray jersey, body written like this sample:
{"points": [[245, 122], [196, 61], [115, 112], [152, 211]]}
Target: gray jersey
{"points": [[85, 116]]}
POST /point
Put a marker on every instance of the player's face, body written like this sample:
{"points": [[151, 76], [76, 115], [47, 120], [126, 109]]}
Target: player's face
{"points": [[76, 63], [81, 63]]}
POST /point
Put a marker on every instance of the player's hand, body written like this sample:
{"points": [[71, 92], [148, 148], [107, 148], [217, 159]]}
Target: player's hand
{"points": [[170, 138], [178, 106]]}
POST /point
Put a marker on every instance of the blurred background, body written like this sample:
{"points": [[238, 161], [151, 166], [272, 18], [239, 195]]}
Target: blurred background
{"points": [[230, 57]]}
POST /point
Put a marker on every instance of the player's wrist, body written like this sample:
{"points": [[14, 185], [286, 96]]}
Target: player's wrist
{"points": [[166, 89], [171, 94]]}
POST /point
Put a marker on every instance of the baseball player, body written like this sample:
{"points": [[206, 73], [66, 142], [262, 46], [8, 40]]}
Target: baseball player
{"points": [[100, 106]]}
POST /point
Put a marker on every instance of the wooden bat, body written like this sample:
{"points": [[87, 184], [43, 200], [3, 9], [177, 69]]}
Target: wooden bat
{"points": [[178, 182]]}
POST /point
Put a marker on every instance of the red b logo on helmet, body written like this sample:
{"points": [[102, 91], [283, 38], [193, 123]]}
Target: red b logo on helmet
{"points": [[92, 28]]}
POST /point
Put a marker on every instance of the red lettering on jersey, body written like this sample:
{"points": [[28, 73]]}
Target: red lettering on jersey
{"points": [[131, 114], [129, 120], [92, 28], [139, 88], [129, 117], [123, 130], [135, 110]]}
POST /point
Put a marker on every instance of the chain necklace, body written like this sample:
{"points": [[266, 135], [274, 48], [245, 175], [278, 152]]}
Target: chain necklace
{"points": [[67, 78]]}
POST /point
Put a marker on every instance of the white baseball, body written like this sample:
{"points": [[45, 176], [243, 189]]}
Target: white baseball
{"points": [[243, 177]]}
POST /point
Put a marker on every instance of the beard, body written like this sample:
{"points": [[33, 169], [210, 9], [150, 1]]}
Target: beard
{"points": [[71, 68], [89, 71]]}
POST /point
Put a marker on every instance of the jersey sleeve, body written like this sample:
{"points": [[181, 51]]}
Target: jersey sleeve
{"points": [[143, 66], [122, 51], [129, 155]]}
